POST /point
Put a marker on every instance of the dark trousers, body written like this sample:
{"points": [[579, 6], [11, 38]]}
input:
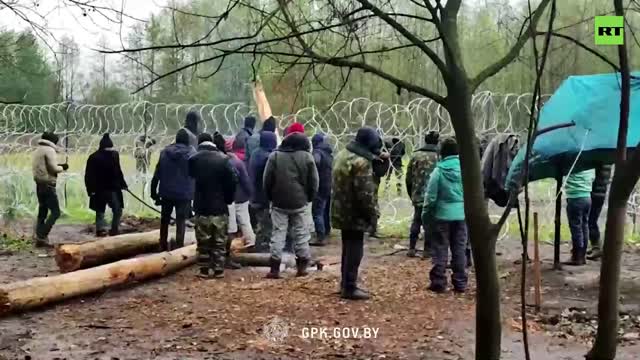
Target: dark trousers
{"points": [[597, 202], [449, 235], [112, 199], [352, 251], [263, 228], [414, 232], [319, 211], [183, 207], [397, 171], [578, 214], [327, 217], [47, 205]]}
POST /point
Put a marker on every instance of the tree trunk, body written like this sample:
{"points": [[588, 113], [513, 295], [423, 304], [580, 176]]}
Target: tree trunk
{"points": [[607, 335], [23, 295], [482, 234], [624, 179], [72, 257]]}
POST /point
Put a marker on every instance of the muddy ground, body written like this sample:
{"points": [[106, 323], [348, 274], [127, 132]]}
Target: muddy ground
{"points": [[184, 317]]}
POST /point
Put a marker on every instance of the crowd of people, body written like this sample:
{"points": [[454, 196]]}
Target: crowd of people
{"points": [[287, 193]]}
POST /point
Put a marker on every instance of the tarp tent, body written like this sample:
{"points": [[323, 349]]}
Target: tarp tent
{"points": [[592, 104]]}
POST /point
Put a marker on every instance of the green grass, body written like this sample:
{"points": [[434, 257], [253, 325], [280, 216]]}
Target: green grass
{"points": [[19, 199], [12, 243]]}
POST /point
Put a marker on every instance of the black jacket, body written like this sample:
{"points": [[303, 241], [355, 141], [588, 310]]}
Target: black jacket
{"points": [[323, 156], [602, 180], [102, 176], [290, 176], [215, 181]]}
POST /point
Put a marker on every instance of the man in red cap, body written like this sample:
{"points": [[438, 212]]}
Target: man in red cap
{"points": [[296, 127]]}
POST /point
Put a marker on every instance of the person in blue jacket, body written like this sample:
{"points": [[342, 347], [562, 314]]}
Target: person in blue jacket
{"points": [[444, 206], [259, 202], [176, 188], [323, 156]]}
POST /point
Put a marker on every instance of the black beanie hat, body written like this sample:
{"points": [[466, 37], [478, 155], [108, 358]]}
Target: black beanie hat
{"points": [[182, 137], [432, 138], [49, 136], [105, 142], [250, 122], [218, 140], [269, 124], [205, 137]]}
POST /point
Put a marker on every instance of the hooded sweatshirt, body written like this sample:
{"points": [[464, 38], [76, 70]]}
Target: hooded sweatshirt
{"points": [[290, 176], [172, 170], [579, 184], [443, 198], [253, 142], [244, 189], [191, 124], [240, 141], [268, 143], [323, 156], [45, 164]]}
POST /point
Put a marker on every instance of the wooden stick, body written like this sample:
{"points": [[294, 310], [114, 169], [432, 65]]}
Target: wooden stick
{"points": [[556, 241], [536, 263]]}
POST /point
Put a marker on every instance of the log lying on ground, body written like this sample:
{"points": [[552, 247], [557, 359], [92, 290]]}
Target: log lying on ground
{"points": [[72, 257], [262, 259], [36, 292]]}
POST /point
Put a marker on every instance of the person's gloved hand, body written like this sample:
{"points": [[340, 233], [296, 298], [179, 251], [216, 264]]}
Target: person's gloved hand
{"points": [[156, 198], [64, 167]]}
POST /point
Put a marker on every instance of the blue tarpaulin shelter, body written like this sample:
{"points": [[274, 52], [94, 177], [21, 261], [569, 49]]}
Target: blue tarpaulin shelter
{"points": [[592, 104]]}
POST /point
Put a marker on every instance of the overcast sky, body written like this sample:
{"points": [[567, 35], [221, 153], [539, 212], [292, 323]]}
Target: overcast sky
{"points": [[62, 20]]}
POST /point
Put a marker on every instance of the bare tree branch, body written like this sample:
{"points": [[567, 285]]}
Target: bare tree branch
{"points": [[514, 51]]}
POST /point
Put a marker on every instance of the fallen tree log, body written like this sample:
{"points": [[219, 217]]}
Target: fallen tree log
{"points": [[23, 295], [72, 257], [262, 259]]}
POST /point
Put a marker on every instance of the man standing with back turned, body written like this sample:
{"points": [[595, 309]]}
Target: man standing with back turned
{"points": [[291, 183], [353, 204], [215, 189]]}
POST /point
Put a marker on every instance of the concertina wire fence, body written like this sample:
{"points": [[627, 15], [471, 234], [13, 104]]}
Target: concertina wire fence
{"points": [[80, 127]]}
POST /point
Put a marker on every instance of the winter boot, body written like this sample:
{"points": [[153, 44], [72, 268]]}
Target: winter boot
{"points": [[355, 294], [101, 233], [302, 265], [319, 240], [577, 259], [230, 264], [595, 253], [275, 269], [411, 253], [40, 242]]}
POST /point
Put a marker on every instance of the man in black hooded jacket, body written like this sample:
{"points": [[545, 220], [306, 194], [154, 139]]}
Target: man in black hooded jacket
{"points": [[104, 181], [192, 125]]}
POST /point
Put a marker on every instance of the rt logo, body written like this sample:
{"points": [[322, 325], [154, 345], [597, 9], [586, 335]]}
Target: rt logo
{"points": [[609, 30]]}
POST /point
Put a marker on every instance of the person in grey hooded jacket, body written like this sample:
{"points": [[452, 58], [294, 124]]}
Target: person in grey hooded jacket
{"points": [[291, 183], [192, 125]]}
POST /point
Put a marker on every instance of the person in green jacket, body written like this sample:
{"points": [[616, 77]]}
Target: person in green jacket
{"points": [[578, 192], [444, 206]]}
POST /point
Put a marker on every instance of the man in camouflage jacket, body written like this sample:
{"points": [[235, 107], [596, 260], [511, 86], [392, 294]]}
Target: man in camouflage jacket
{"points": [[422, 163], [353, 204]]}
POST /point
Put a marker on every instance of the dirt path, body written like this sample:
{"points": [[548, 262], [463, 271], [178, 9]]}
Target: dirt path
{"points": [[184, 317]]}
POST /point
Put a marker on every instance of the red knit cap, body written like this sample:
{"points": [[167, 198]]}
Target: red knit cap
{"points": [[296, 127]]}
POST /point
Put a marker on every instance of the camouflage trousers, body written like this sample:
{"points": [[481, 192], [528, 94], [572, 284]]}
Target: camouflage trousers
{"points": [[211, 237]]}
